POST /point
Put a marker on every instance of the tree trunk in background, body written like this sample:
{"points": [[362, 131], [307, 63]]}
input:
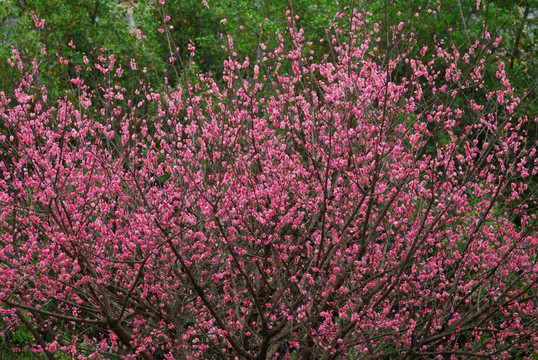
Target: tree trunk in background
{"points": [[519, 32], [129, 6]]}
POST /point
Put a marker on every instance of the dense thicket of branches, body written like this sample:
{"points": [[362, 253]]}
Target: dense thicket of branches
{"points": [[359, 203]]}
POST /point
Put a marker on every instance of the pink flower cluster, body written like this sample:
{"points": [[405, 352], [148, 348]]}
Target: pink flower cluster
{"points": [[331, 209]]}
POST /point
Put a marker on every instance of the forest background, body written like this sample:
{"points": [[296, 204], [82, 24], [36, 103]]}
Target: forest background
{"points": [[92, 25]]}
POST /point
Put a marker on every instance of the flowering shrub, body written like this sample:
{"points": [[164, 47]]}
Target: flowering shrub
{"points": [[331, 209]]}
